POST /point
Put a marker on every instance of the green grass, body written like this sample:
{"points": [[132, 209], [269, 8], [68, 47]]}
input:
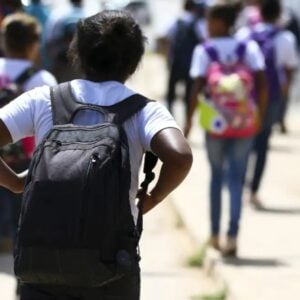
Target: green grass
{"points": [[197, 260], [221, 295]]}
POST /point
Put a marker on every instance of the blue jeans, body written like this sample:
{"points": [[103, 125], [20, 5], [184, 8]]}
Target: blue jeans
{"points": [[233, 154]]}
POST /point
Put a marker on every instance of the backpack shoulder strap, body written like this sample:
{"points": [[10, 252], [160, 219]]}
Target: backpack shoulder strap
{"points": [[65, 106], [25, 75], [122, 111], [241, 50], [211, 52], [63, 103], [150, 162]]}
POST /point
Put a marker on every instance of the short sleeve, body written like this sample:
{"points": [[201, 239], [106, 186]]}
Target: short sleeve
{"points": [[200, 62], [151, 120], [254, 57], [18, 116], [41, 78], [243, 34], [287, 55]]}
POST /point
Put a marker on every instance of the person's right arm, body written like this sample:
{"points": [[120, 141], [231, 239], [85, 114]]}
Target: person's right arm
{"points": [[197, 89], [16, 122], [8, 178], [199, 65]]}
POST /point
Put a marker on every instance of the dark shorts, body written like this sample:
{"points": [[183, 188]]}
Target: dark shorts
{"points": [[124, 289]]}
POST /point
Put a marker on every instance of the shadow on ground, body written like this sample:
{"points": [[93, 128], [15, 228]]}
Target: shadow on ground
{"points": [[254, 262], [6, 264], [279, 210]]}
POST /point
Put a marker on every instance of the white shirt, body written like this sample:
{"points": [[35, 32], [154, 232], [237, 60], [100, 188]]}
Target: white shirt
{"points": [[285, 44], [226, 48], [12, 68], [31, 114]]}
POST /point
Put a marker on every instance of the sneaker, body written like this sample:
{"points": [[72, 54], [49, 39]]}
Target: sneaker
{"points": [[230, 249], [255, 202], [214, 242]]}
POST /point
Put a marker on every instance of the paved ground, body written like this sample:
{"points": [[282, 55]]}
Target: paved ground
{"points": [[165, 247]]}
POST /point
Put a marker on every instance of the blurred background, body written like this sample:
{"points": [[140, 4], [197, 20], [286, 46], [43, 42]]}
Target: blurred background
{"points": [[177, 262]]}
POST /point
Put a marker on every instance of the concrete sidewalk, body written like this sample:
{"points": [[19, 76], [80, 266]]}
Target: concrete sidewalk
{"points": [[268, 266]]}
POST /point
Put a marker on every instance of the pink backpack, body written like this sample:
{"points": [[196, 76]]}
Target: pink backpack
{"points": [[230, 110]]}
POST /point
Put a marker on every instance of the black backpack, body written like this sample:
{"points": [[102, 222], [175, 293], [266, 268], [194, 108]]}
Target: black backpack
{"points": [[13, 89], [182, 47], [14, 154], [76, 227]]}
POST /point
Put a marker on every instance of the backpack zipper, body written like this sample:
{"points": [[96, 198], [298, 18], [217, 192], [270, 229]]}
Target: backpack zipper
{"points": [[93, 164]]}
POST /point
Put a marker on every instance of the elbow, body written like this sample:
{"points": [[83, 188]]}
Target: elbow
{"points": [[183, 160]]}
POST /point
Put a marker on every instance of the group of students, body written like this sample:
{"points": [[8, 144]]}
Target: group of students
{"points": [[81, 215], [57, 28], [239, 79]]}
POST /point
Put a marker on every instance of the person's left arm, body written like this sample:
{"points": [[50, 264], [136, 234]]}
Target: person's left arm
{"points": [[160, 134], [176, 156]]}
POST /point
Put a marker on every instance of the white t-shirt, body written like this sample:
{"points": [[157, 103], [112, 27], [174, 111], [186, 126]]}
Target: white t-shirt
{"points": [[226, 48], [285, 44], [12, 68], [31, 114]]}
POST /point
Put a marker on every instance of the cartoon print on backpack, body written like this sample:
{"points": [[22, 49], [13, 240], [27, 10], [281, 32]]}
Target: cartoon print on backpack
{"points": [[231, 110]]}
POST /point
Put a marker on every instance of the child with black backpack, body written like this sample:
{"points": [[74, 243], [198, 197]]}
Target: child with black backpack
{"points": [[21, 40], [227, 71], [80, 224], [183, 36]]}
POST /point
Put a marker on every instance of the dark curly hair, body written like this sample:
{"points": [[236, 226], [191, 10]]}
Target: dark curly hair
{"points": [[270, 10], [227, 12], [107, 46]]}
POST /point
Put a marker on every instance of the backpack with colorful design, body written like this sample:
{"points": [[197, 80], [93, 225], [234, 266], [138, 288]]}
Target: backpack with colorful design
{"points": [[229, 109]]}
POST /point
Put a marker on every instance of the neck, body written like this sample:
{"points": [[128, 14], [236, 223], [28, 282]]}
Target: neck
{"points": [[96, 78], [220, 35], [16, 56]]}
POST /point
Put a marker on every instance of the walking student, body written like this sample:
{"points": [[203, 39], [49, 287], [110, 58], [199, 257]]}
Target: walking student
{"points": [[281, 59], [226, 71], [80, 223], [21, 40], [183, 36], [59, 31]]}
